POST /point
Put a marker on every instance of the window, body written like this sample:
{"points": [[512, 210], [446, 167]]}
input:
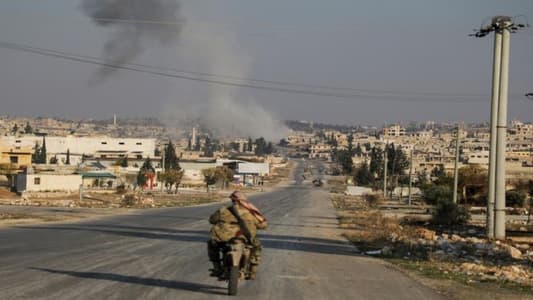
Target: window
{"points": [[121, 143], [139, 143], [104, 143], [139, 156], [17, 141], [14, 159], [103, 156], [37, 180]]}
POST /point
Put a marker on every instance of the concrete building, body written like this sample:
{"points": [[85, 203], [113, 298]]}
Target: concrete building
{"points": [[394, 130], [103, 148], [47, 182], [17, 156]]}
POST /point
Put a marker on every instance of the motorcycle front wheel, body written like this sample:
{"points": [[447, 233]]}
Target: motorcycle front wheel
{"points": [[233, 282]]}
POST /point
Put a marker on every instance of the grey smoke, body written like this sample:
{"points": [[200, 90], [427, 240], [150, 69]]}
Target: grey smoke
{"points": [[135, 24]]}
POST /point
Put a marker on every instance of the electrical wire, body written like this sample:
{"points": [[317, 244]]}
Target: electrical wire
{"points": [[196, 76]]}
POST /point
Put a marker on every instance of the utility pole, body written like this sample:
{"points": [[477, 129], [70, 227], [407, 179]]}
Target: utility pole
{"points": [[503, 26], [410, 174], [501, 133], [385, 172], [493, 119], [456, 169]]}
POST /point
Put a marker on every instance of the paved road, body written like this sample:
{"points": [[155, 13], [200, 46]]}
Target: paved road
{"points": [[161, 254]]}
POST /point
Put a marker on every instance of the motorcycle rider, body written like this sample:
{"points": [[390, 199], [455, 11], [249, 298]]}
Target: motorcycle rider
{"points": [[226, 227]]}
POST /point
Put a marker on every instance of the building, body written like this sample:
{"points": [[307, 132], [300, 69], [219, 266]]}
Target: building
{"points": [[102, 148], [48, 182], [393, 131], [16, 156]]}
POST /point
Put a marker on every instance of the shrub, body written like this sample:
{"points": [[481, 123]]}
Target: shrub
{"points": [[515, 199], [373, 200], [448, 213], [121, 189], [434, 193]]}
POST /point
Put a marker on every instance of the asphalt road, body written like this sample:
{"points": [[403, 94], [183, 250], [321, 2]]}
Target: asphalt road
{"points": [[161, 254]]}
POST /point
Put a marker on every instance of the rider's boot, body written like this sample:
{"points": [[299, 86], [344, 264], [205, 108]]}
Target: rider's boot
{"points": [[253, 272], [216, 271]]}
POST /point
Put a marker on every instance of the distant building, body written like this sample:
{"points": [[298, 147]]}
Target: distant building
{"points": [[103, 148], [17, 156], [394, 131], [47, 182]]}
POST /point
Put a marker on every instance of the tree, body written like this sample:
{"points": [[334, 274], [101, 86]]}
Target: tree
{"points": [[42, 156], [208, 148], [171, 159], [473, 182], [225, 174], [67, 160], [358, 150], [350, 144], [172, 177], [28, 129], [362, 176], [376, 162], [250, 146], [35, 157], [210, 177], [53, 160], [189, 144], [15, 129], [344, 158], [197, 144], [260, 146]]}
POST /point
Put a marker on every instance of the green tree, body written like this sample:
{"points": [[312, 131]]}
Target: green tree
{"points": [[376, 162], [225, 175], [36, 156], [250, 144], [42, 156], [362, 176], [28, 129], [172, 177], [350, 145], [208, 147], [67, 160], [210, 177], [260, 146], [344, 158], [15, 129], [171, 159]]}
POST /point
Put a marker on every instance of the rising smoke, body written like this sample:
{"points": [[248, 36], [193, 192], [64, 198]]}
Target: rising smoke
{"points": [[135, 24], [141, 23]]}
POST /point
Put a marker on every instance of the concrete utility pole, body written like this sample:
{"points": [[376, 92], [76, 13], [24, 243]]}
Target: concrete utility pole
{"points": [[503, 26], [493, 119], [385, 172], [410, 174], [501, 133], [456, 168]]}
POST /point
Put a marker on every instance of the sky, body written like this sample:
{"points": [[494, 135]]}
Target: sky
{"points": [[415, 57]]}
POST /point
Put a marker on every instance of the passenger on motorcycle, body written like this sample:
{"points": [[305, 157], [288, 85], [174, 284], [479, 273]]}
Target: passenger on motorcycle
{"points": [[226, 227]]}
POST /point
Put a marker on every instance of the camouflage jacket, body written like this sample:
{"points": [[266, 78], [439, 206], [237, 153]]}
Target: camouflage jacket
{"points": [[226, 226]]}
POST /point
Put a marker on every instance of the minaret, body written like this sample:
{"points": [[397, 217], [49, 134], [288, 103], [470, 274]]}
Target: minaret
{"points": [[193, 137]]}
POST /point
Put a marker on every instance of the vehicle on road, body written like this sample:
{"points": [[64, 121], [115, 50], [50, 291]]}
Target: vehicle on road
{"points": [[236, 263], [318, 182]]}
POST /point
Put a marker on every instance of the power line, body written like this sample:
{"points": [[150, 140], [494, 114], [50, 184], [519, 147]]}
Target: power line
{"points": [[160, 71]]}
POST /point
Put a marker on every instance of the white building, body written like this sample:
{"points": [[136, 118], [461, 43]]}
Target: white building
{"points": [[48, 182]]}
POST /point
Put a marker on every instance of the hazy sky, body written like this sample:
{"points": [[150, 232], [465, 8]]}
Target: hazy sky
{"points": [[406, 48]]}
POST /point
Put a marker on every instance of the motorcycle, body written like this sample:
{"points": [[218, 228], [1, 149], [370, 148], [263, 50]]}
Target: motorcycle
{"points": [[236, 263]]}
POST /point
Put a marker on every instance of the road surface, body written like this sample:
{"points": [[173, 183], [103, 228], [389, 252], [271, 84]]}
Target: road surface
{"points": [[161, 254]]}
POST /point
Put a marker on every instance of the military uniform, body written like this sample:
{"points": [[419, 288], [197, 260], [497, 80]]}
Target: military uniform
{"points": [[226, 226]]}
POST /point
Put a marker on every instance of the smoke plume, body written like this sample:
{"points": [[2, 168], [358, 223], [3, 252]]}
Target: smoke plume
{"points": [[135, 23], [225, 110]]}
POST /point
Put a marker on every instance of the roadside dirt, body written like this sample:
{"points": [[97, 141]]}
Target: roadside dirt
{"points": [[459, 264]]}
